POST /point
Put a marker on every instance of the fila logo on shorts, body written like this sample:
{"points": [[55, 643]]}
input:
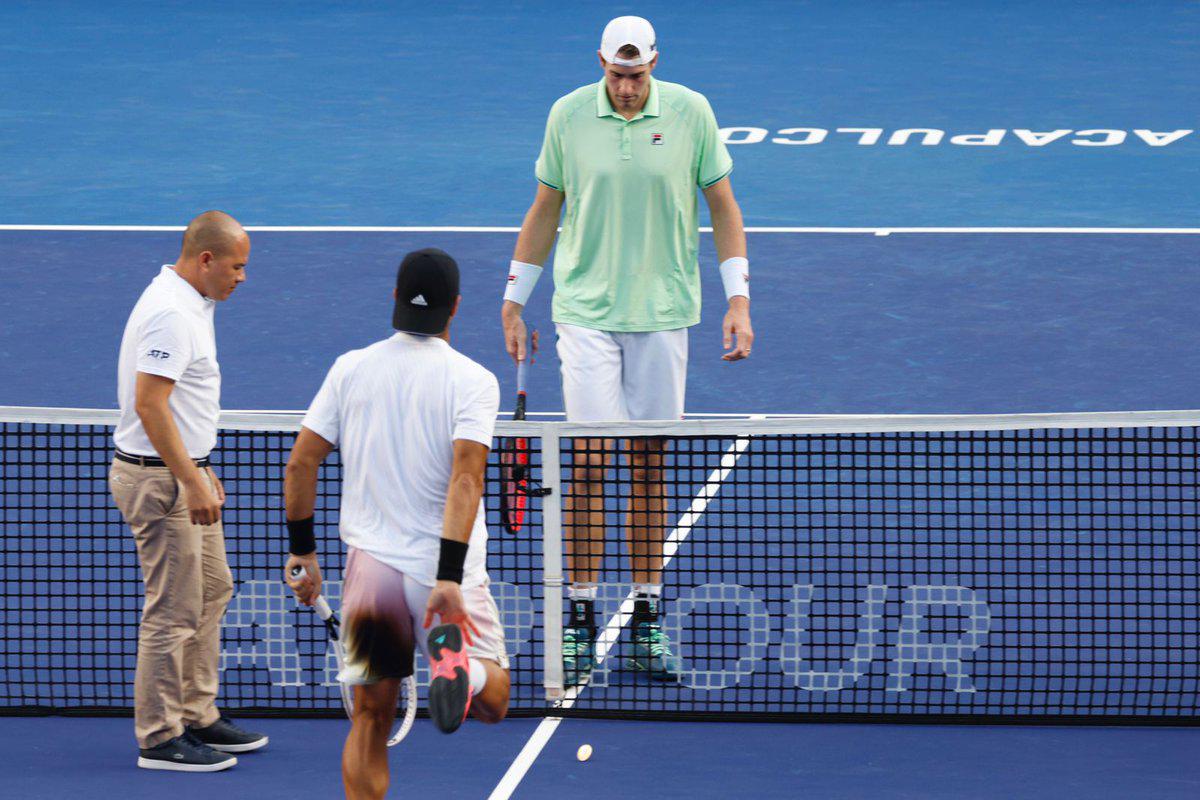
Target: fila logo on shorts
{"points": [[656, 138]]}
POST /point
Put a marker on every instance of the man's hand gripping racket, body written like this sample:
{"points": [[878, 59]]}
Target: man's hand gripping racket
{"points": [[333, 626], [515, 485]]}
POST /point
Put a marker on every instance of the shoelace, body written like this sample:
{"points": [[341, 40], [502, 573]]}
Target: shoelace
{"points": [[652, 637], [230, 726], [194, 741], [574, 644]]}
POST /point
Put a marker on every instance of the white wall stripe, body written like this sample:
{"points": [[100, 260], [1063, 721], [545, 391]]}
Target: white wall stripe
{"points": [[876, 231]]}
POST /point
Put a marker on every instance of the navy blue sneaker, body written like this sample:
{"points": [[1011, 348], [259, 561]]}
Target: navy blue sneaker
{"points": [[184, 753], [223, 735]]}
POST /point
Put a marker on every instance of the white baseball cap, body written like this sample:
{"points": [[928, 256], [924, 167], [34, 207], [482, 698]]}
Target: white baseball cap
{"points": [[625, 31]]}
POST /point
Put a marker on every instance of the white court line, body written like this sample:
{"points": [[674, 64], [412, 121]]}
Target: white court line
{"points": [[877, 231], [612, 629], [524, 760]]}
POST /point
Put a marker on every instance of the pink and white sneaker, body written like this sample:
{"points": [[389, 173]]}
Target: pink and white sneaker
{"points": [[450, 683]]}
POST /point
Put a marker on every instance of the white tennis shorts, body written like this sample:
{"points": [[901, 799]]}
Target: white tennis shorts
{"points": [[382, 614], [610, 376]]}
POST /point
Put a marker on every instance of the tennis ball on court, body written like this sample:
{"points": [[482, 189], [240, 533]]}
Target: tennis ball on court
{"points": [[584, 752]]}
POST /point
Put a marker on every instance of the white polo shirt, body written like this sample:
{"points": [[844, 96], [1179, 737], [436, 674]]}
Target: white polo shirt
{"points": [[394, 409], [170, 333]]}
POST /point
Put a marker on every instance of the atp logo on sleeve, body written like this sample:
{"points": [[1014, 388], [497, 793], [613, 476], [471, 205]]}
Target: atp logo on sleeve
{"points": [[162, 355]]}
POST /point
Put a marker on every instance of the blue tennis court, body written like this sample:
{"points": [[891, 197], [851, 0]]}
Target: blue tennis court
{"points": [[952, 209], [849, 323], [685, 759]]}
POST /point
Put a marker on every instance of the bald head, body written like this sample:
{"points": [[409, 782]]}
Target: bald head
{"points": [[215, 251], [213, 231]]}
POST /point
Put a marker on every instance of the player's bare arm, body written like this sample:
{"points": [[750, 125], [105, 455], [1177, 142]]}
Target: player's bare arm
{"points": [[462, 503], [300, 497], [533, 247], [730, 236]]}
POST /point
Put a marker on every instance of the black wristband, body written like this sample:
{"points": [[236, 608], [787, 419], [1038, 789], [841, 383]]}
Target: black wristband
{"points": [[301, 539], [450, 561]]}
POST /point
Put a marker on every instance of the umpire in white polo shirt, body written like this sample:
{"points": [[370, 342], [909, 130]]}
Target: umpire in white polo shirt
{"points": [[628, 156], [169, 389]]}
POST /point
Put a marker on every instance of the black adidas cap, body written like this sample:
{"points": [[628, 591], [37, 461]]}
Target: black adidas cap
{"points": [[426, 288]]}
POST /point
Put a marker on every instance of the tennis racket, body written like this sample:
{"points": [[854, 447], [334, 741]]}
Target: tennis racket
{"points": [[333, 629], [514, 466]]}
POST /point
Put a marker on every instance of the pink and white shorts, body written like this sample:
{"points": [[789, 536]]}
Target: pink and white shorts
{"points": [[382, 612]]}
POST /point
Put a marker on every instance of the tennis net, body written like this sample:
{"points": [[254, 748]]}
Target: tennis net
{"points": [[71, 590], [1012, 568]]}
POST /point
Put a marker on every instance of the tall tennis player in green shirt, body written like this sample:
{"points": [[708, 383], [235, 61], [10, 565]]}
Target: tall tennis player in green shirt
{"points": [[627, 155]]}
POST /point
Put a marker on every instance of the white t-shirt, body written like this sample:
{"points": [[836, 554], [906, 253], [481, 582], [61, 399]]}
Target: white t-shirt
{"points": [[170, 333], [394, 409]]}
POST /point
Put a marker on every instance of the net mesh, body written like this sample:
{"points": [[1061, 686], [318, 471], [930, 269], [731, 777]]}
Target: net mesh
{"points": [[991, 575], [72, 591], [1004, 573]]}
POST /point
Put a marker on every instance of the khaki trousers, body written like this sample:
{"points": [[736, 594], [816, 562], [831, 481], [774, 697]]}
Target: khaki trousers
{"points": [[188, 584]]}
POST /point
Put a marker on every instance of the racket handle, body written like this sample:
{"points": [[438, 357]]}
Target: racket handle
{"points": [[320, 605], [522, 371]]}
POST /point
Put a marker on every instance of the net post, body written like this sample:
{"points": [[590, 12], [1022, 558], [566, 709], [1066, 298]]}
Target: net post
{"points": [[552, 563]]}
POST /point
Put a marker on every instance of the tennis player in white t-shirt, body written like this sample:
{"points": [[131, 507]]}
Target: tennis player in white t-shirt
{"points": [[413, 419]]}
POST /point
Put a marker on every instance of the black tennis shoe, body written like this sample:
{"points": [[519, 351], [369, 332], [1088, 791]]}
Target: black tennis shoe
{"points": [[450, 684], [223, 735], [184, 753]]}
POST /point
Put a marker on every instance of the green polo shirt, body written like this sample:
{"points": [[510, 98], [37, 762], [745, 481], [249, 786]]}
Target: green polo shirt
{"points": [[626, 257]]}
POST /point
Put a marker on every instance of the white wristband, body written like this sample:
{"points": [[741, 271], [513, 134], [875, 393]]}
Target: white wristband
{"points": [[522, 278], [735, 274]]}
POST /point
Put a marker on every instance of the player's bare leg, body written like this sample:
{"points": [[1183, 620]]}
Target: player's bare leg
{"points": [[364, 758], [645, 523], [491, 704], [645, 536], [583, 511], [583, 521]]}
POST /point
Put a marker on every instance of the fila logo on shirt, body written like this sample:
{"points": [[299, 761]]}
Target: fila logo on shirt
{"points": [[656, 138], [419, 300]]}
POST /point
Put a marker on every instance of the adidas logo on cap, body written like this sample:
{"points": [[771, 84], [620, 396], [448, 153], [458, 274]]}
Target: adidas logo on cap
{"points": [[426, 288]]}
